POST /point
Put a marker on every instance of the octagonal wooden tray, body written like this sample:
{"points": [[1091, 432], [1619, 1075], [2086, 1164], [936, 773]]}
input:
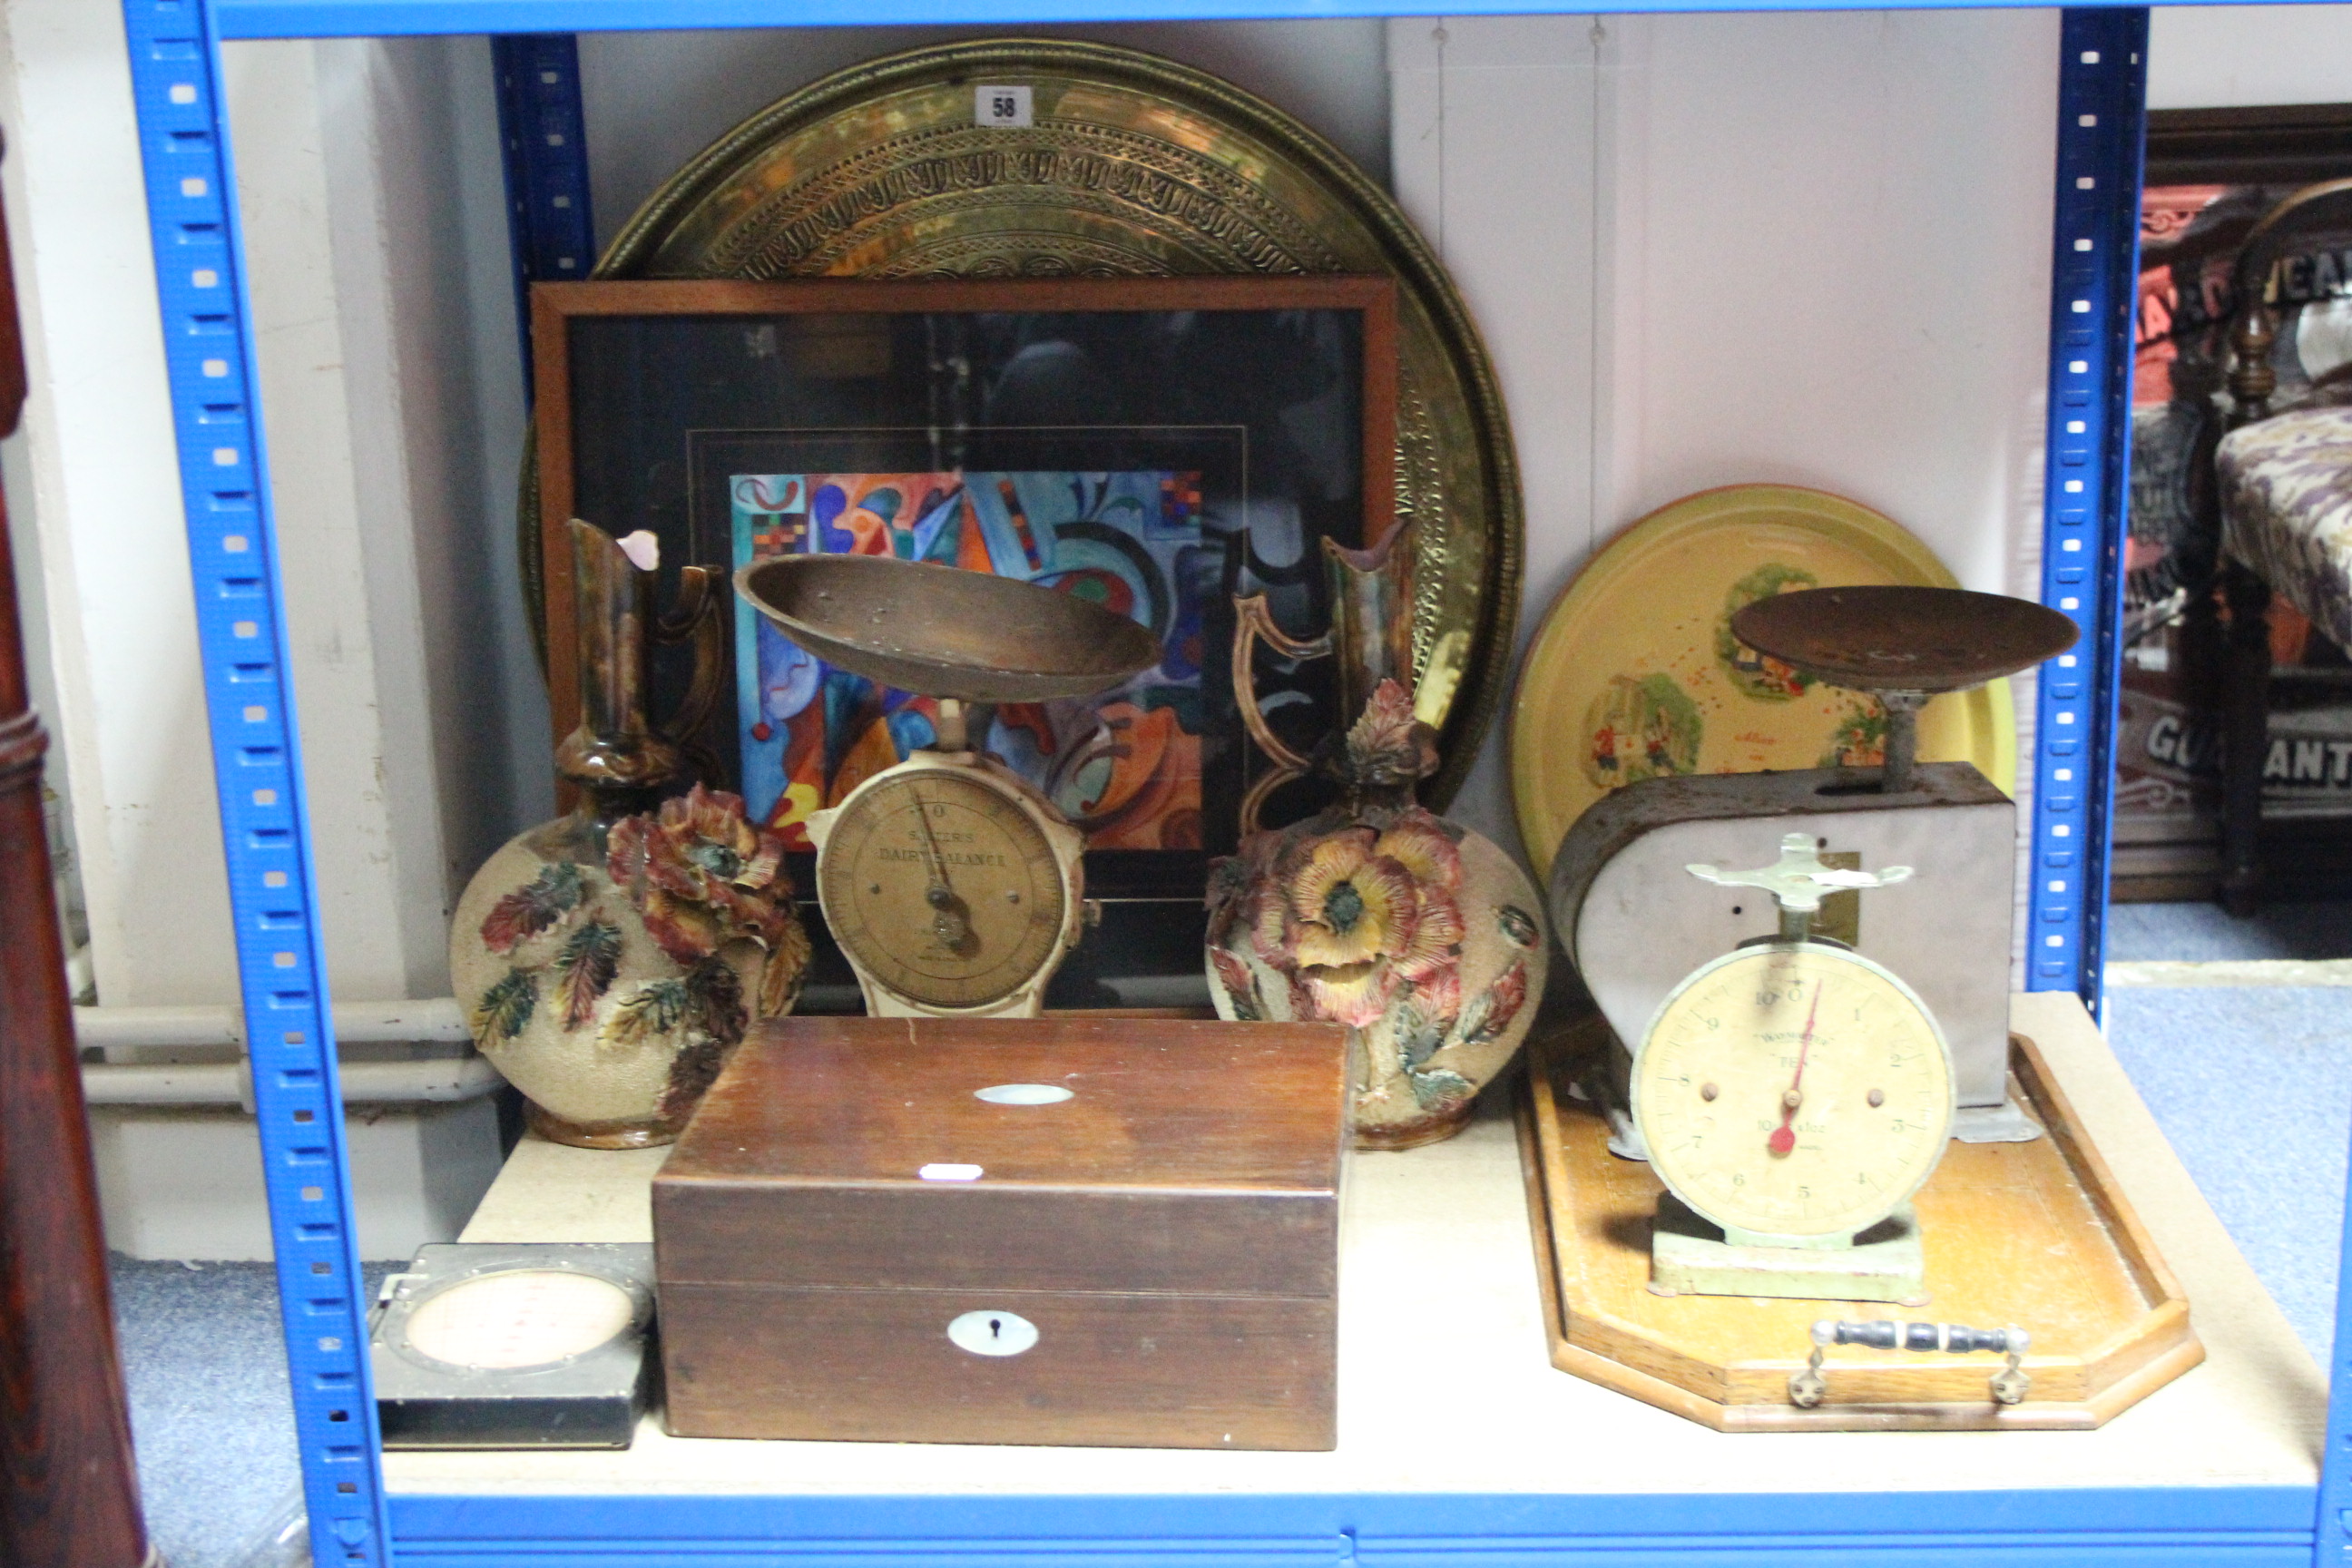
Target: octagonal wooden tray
{"points": [[2035, 1235]]}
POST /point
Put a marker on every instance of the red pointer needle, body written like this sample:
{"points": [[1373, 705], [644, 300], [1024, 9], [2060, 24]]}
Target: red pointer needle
{"points": [[1783, 1140]]}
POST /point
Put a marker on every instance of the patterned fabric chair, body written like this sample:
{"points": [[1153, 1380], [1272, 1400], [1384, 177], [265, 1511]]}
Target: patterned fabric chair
{"points": [[2286, 510], [2285, 483]]}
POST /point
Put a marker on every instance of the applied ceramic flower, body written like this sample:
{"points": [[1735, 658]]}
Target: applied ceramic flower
{"points": [[703, 876]]}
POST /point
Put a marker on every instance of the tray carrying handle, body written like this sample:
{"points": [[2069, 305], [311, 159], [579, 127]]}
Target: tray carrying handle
{"points": [[1807, 1388]]}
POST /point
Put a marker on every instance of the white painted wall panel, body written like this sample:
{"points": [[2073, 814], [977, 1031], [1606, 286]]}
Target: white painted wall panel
{"points": [[105, 499], [1715, 249], [187, 1184], [1495, 158], [425, 286], [2222, 56], [1843, 267], [363, 313], [318, 333], [365, 268]]}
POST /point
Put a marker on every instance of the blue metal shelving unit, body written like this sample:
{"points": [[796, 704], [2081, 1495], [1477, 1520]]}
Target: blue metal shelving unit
{"points": [[174, 54], [378, 18], [544, 136]]}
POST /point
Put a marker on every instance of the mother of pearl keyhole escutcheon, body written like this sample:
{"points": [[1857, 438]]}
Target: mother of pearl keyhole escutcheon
{"points": [[991, 1332]]}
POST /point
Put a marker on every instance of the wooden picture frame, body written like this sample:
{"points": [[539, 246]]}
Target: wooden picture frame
{"points": [[651, 395]]}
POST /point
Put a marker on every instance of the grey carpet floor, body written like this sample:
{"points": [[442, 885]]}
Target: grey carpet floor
{"points": [[2253, 1084], [2205, 932], [209, 1409]]}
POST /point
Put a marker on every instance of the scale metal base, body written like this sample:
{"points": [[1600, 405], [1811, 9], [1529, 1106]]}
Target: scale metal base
{"points": [[1690, 1256]]}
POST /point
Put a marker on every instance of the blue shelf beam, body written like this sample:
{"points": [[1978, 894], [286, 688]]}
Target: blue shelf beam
{"points": [[257, 767], [2219, 1527], [2094, 271], [369, 18]]}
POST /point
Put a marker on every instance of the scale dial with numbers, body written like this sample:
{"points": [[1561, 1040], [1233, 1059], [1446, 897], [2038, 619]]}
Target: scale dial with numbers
{"points": [[1794, 1093], [949, 889]]}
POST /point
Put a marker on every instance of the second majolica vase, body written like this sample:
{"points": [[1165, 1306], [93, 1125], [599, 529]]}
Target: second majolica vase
{"points": [[1379, 914]]}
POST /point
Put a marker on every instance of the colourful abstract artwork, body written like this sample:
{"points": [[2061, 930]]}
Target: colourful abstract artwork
{"points": [[1124, 764]]}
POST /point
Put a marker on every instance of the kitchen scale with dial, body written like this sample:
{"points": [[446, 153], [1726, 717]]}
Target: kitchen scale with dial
{"points": [[1794, 1095], [954, 889], [1634, 925]]}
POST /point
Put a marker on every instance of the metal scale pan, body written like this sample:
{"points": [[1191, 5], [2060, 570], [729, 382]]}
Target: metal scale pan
{"points": [[946, 633], [1904, 644], [952, 885]]}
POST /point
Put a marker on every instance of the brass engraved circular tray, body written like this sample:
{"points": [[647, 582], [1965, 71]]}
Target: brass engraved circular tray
{"points": [[1134, 165]]}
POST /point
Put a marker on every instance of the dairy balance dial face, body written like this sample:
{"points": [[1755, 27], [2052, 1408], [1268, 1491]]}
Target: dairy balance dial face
{"points": [[943, 888], [1793, 1091]]}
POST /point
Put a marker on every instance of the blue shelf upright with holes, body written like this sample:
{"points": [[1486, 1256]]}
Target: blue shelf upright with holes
{"points": [[176, 72], [2094, 270], [174, 49]]}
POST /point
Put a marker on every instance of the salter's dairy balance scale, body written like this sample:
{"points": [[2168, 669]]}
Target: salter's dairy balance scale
{"points": [[954, 889]]}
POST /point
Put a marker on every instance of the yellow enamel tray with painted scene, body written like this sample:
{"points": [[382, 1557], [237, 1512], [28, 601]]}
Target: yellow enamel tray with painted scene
{"points": [[1635, 672]]}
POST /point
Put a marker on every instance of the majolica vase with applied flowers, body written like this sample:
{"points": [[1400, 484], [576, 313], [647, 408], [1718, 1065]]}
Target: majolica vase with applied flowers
{"points": [[1421, 934], [611, 960]]}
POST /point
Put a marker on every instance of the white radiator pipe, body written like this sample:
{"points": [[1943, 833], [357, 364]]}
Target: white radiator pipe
{"points": [[436, 1019], [431, 1080]]}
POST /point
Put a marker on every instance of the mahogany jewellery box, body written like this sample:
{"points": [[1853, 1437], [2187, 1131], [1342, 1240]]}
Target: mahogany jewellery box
{"points": [[1067, 1230]]}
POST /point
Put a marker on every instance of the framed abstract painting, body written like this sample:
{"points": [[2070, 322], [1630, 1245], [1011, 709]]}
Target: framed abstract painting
{"points": [[1169, 447]]}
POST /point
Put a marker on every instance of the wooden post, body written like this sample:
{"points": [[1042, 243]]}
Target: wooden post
{"points": [[69, 1491]]}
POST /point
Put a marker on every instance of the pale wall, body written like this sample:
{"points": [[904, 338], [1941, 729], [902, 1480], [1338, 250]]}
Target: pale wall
{"points": [[2221, 57], [393, 450], [1803, 248], [104, 497], [384, 322]]}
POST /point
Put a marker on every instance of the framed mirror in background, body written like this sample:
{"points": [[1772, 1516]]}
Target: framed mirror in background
{"points": [[2211, 176]]}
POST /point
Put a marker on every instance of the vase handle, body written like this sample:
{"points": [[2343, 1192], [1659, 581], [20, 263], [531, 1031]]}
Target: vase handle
{"points": [[1252, 620], [696, 619], [615, 756], [1254, 801]]}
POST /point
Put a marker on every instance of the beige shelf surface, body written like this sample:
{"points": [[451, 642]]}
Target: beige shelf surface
{"points": [[1444, 1385]]}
